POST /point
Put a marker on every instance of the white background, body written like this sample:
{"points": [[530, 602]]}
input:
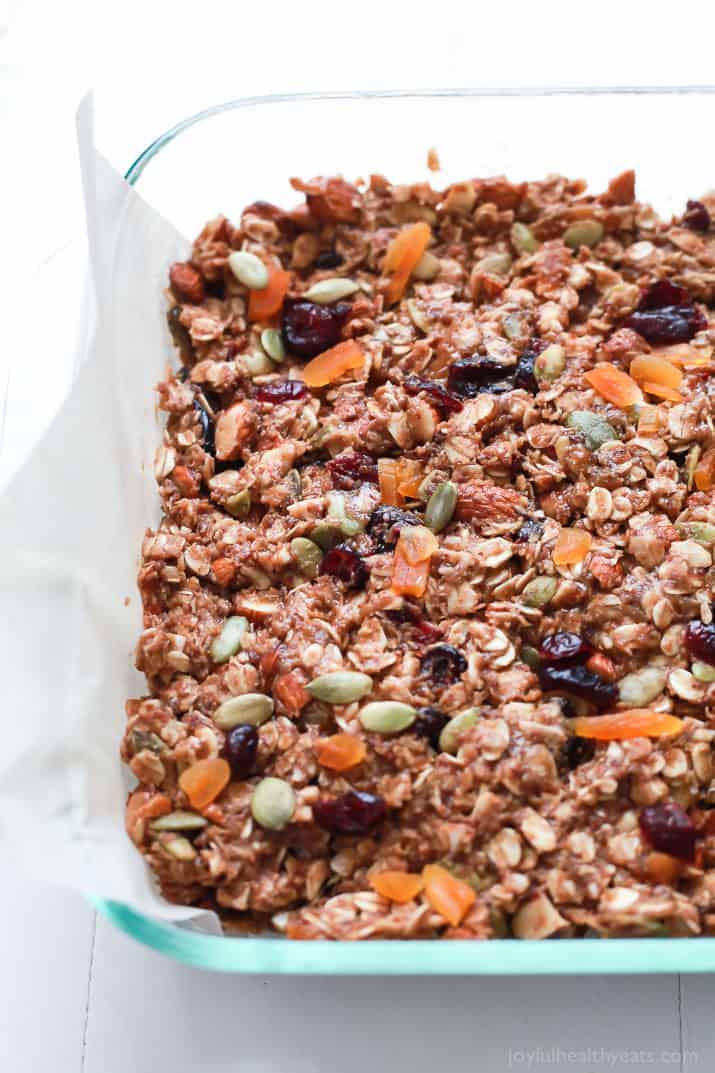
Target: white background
{"points": [[75, 996]]}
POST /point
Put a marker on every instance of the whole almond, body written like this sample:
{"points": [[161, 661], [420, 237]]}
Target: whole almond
{"points": [[187, 283]]}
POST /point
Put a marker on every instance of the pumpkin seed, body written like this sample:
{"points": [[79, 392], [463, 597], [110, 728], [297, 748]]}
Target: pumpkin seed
{"points": [[495, 264], [253, 708], [180, 848], [530, 657], [704, 672], [348, 526], [239, 505], [440, 506], [691, 463], [451, 733], [539, 591], [272, 343], [330, 290], [387, 716], [308, 555], [703, 532], [340, 687], [228, 641], [326, 534], [595, 429], [178, 821], [522, 238], [273, 803], [513, 326], [248, 270], [550, 363], [145, 739], [583, 233], [427, 268], [257, 364], [637, 690]]}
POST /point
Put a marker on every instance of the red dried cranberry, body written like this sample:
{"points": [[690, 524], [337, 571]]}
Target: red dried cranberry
{"points": [[353, 813], [700, 640], [528, 531], [447, 402], [309, 329], [346, 565], [328, 259], [385, 524], [426, 633], [666, 314], [429, 724], [696, 216], [351, 467], [578, 751], [579, 682], [281, 391], [524, 372], [207, 429], [240, 750], [468, 377], [669, 829], [443, 664], [563, 646]]}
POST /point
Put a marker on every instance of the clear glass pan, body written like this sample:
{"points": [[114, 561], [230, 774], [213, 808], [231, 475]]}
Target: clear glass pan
{"points": [[246, 150]]}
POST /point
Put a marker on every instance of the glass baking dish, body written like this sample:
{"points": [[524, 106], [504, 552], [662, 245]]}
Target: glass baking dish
{"points": [[245, 150]]}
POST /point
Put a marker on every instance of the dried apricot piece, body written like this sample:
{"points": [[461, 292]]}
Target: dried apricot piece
{"points": [[662, 391], [400, 887], [631, 723], [653, 369], [334, 363], [204, 781], [418, 543], [572, 546], [704, 474], [614, 385], [388, 476], [450, 897], [402, 255], [340, 752], [409, 478], [267, 302], [409, 579]]}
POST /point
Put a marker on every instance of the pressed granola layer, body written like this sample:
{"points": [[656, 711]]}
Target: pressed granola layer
{"points": [[427, 621]]}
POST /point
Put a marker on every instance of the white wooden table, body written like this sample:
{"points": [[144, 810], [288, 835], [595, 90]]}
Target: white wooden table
{"points": [[75, 995]]}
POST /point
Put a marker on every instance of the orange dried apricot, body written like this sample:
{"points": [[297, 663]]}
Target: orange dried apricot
{"points": [[204, 781], [662, 391], [340, 752], [400, 887], [334, 363], [266, 303], [704, 473], [418, 543], [402, 255], [572, 546], [653, 369], [614, 385], [631, 723], [409, 579], [450, 897]]}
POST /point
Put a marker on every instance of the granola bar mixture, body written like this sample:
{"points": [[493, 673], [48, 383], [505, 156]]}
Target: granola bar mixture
{"points": [[428, 630]]}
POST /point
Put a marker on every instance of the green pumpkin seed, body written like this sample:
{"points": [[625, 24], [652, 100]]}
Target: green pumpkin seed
{"points": [[257, 364], [144, 739], [253, 708], [703, 532], [179, 821], [229, 640], [451, 733], [595, 429], [495, 264], [427, 268], [539, 591], [440, 506], [307, 554], [272, 343], [239, 505], [348, 526], [326, 534], [273, 803], [530, 657], [704, 672], [387, 716], [550, 363], [330, 290], [248, 270], [522, 238], [637, 690], [180, 848], [583, 233], [340, 687]]}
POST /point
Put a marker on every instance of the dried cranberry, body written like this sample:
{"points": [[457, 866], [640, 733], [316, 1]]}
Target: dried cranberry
{"points": [[666, 314], [240, 750], [281, 391], [443, 664], [563, 646], [578, 751], [309, 329], [449, 403], [579, 682], [429, 724], [426, 633], [207, 429], [700, 640], [524, 372], [346, 565], [328, 259], [385, 524], [696, 216], [669, 829], [352, 466], [470, 376], [528, 531], [353, 813]]}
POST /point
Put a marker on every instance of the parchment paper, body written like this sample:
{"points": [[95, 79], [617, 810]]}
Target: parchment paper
{"points": [[71, 524]]}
